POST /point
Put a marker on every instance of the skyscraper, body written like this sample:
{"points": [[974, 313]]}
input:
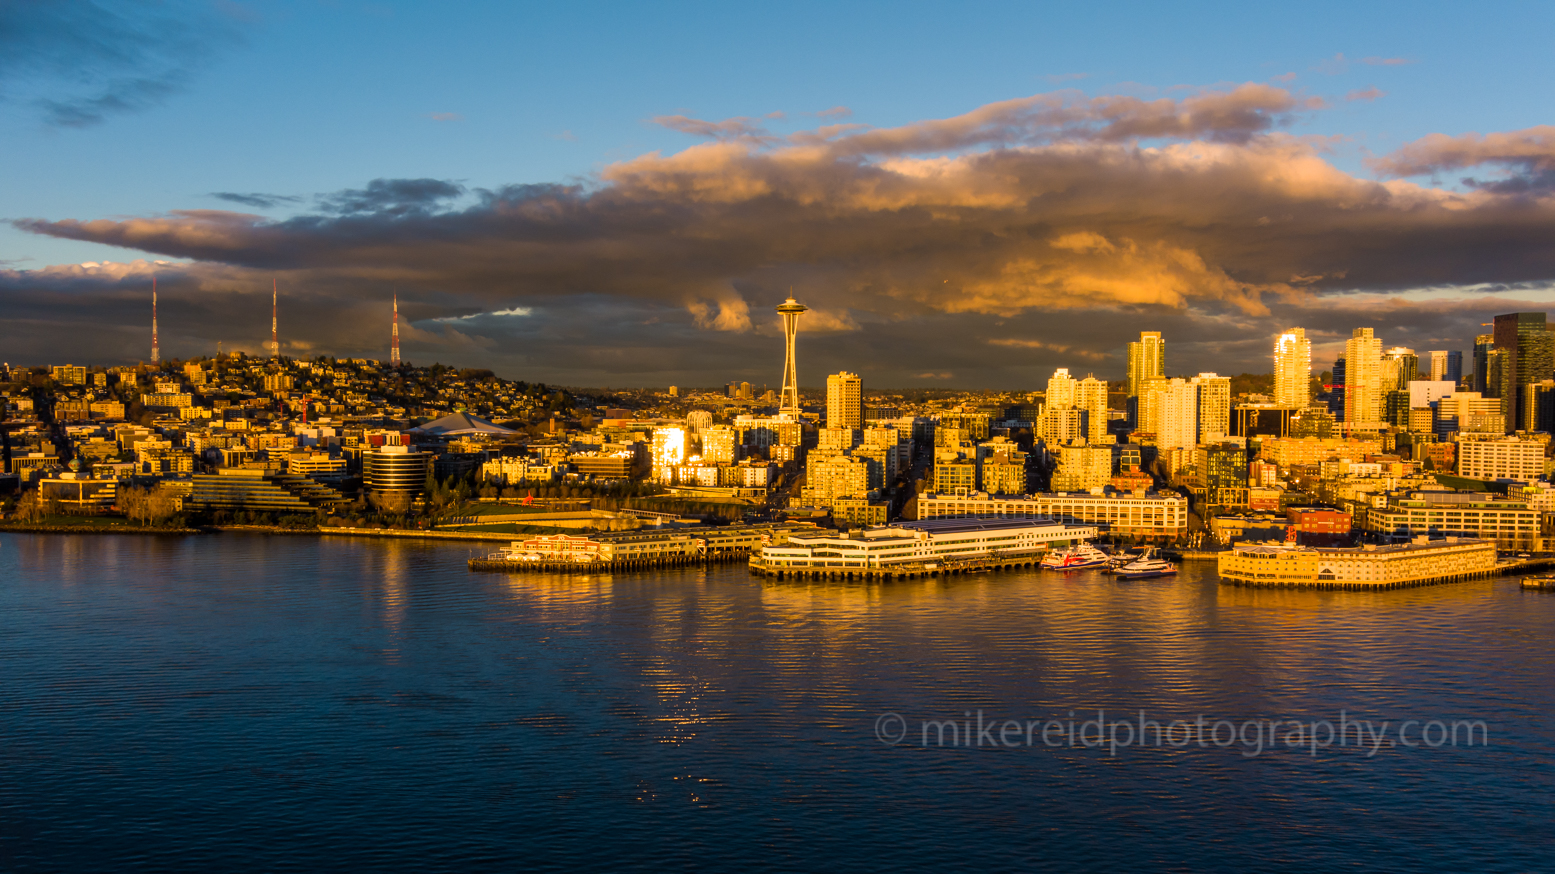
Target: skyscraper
{"points": [[1091, 398], [1336, 403], [1438, 365], [1400, 367], [1060, 389], [844, 400], [1455, 366], [1363, 381], [156, 344], [1482, 346], [1293, 369], [1179, 406], [790, 310], [1146, 360], [1530, 358], [394, 341], [1214, 406]]}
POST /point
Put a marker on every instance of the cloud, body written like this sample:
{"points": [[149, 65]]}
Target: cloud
{"points": [[1285, 77], [1060, 78], [510, 311], [1058, 349], [933, 375], [80, 63], [837, 112], [1386, 62], [1371, 92], [256, 199], [740, 126], [446, 116], [1527, 157], [392, 196], [1039, 219]]}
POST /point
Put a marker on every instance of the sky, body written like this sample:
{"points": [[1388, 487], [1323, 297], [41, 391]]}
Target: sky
{"points": [[966, 195]]}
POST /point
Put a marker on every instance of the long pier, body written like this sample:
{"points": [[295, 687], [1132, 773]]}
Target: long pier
{"points": [[897, 571], [596, 567]]}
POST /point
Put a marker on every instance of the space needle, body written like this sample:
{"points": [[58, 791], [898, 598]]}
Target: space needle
{"points": [[790, 310]]}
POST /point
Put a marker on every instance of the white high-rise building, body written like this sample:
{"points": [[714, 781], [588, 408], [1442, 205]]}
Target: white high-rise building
{"points": [[1438, 365], [1179, 415], [844, 400], [1363, 381], [1061, 389], [1091, 398], [1293, 369], [1214, 406]]}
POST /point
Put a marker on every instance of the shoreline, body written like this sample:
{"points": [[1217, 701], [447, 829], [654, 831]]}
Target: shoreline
{"points": [[253, 529]]}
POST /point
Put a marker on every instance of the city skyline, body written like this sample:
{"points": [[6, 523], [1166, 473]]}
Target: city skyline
{"points": [[1020, 218]]}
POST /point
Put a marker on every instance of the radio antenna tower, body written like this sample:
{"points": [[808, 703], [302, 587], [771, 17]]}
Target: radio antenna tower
{"points": [[394, 344], [275, 338], [156, 346]]}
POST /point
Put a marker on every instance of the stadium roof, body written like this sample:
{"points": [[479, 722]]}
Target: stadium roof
{"points": [[462, 423]]}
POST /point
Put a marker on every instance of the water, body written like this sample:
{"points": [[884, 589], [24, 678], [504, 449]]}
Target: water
{"points": [[241, 702]]}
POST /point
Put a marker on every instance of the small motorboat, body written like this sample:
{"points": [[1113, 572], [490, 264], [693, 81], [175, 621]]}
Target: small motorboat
{"points": [[1146, 568], [1081, 556]]}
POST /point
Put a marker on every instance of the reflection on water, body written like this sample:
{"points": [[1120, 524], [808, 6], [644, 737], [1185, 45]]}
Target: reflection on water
{"points": [[255, 702]]}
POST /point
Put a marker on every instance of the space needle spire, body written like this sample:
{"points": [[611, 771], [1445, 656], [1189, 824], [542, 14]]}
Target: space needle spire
{"points": [[790, 310], [394, 343], [275, 337], [156, 346]]}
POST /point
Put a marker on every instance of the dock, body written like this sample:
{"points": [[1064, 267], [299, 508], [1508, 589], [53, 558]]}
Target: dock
{"points": [[901, 571], [558, 566]]}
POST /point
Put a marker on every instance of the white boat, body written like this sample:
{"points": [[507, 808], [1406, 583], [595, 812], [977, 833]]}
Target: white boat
{"points": [[1145, 568], [1133, 554], [1081, 556]]}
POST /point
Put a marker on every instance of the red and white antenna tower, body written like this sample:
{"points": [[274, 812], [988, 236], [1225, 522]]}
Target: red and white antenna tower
{"points": [[275, 338], [156, 346], [394, 344]]}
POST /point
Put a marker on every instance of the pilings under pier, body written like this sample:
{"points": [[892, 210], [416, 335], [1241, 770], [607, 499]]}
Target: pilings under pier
{"points": [[893, 572], [1357, 586], [596, 567]]}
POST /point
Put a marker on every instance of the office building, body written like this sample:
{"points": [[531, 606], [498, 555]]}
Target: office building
{"points": [[1506, 458], [1400, 367], [844, 401], [1156, 517], [1293, 369], [1363, 381], [668, 453], [395, 469], [1530, 358]]}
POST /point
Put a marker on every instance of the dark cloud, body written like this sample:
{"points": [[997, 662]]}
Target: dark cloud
{"points": [[80, 62], [256, 199], [936, 247], [392, 197]]}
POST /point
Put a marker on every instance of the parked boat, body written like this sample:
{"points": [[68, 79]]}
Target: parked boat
{"points": [[1545, 582], [1132, 554], [1146, 568], [1081, 556]]}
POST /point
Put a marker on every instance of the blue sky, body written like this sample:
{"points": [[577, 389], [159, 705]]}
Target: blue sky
{"points": [[305, 98]]}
